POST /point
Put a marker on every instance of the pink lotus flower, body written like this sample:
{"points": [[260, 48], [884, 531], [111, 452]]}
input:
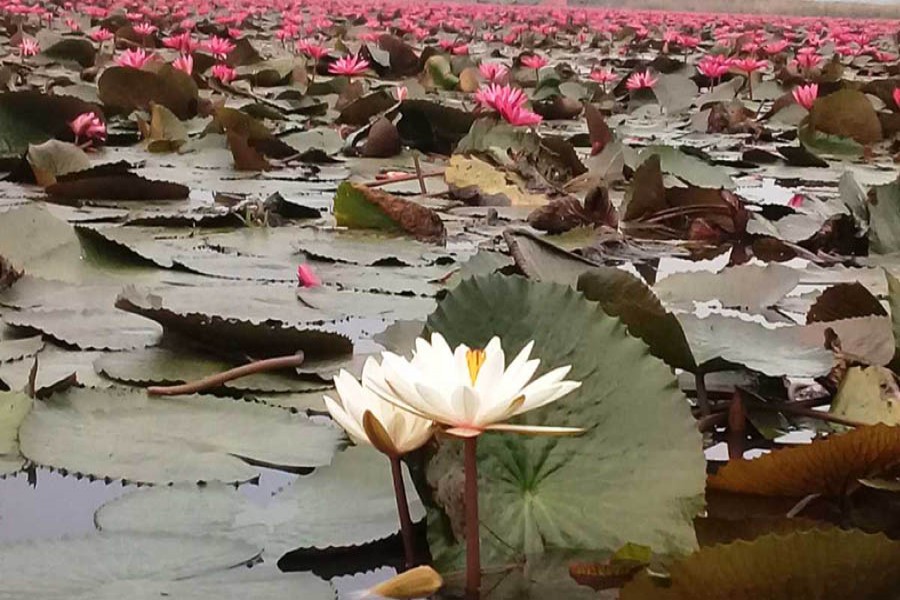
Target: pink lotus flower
{"points": [[896, 96], [311, 49], [184, 63], [223, 73], [29, 47], [218, 47], [639, 81], [805, 95], [749, 65], [509, 102], [135, 59], [88, 126], [493, 72], [534, 61], [144, 29], [401, 92], [348, 66], [182, 43], [460, 50], [603, 76], [796, 201], [714, 66], [306, 277], [776, 47], [72, 24], [808, 60], [101, 35]]}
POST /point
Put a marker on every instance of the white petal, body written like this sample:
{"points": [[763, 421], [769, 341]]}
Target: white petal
{"points": [[353, 429], [547, 394], [491, 372], [536, 429]]}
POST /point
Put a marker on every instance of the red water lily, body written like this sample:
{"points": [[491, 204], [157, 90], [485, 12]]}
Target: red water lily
{"points": [[182, 42], [306, 277], [805, 95], [640, 80], [223, 73], [135, 58], [88, 128], [184, 63], [349, 66], [219, 47], [509, 102]]}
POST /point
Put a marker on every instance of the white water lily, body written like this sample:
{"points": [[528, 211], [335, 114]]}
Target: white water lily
{"points": [[368, 419], [470, 391]]}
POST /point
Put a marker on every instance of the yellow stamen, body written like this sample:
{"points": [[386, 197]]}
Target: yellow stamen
{"points": [[474, 360]]}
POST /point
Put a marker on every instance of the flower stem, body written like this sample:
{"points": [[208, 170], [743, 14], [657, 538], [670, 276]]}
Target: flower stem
{"points": [[473, 542], [406, 526]]}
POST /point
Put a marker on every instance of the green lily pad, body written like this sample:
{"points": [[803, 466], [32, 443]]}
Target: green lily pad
{"points": [[636, 475], [349, 503], [14, 406], [143, 567], [120, 433]]}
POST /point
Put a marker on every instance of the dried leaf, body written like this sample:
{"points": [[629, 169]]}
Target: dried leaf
{"points": [[359, 207]]}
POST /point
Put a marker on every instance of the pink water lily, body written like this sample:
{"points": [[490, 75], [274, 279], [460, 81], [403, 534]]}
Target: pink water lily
{"points": [[219, 47], [349, 66], [493, 72], [144, 29], [509, 102], [306, 277], [223, 73], [101, 35], [88, 128], [184, 63], [714, 66], [639, 81], [311, 49], [29, 47], [603, 76], [534, 61], [896, 96], [401, 92], [183, 43], [805, 95], [135, 58]]}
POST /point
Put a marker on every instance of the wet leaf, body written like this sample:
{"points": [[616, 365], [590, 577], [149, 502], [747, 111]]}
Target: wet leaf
{"points": [[113, 182], [359, 207], [884, 218], [623, 295], [844, 301], [122, 433], [538, 493], [749, 287], [868, 395], [830, 467], [144, 567], [846, 113], [230, 335], [825, 564], [162, 366], [349, 503], [30, 117], [126, 89], [675, 93], [542, 260], [166, 133], [690, 169], [383, 140], [54, 158], [20, 348], [90, 329], [14, 407], [482, 184]]}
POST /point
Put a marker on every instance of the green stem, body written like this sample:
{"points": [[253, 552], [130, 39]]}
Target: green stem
{"points": [[473, 542]]}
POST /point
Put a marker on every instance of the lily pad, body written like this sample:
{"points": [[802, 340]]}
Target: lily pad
{"points": [[120, 433], [825, 564], [100, 329], [143, 567], [14, 406], [537, 493], [349, 503], [832, 466]]}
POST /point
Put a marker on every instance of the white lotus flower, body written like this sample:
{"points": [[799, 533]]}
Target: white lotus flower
{"points": [[370, 420], [470, 391]]}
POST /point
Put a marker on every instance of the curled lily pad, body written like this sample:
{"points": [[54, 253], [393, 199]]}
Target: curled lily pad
{"points": [[826, 564], [832, 466]]}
